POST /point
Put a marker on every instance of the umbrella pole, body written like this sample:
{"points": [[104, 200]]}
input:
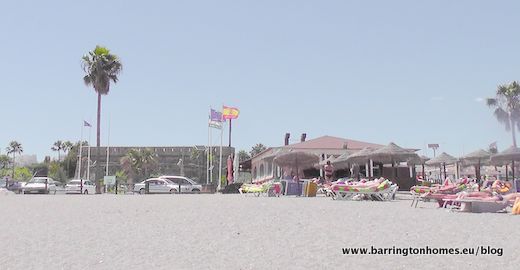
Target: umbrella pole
{"points": [[445, 177], [440, 174], [513, 175], [507, 178], [423, 174]]}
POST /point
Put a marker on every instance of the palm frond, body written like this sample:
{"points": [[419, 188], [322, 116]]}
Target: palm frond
{"points": [[491, 102], [503, 117]]}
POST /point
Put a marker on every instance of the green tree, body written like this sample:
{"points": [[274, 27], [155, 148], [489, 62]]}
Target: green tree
{"points": [[14, 148], [243, 155], [57, 147], [4, 161], [257, 149], [506, 105], [137, 164], [67, 147]]}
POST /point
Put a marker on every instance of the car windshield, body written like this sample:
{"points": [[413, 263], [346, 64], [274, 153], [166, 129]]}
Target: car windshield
{"points": [[38, 180]]}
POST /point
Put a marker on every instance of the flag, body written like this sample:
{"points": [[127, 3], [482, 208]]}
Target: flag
{"points": [[215, 116], [215, 124], [86, 124], [230, 112]]}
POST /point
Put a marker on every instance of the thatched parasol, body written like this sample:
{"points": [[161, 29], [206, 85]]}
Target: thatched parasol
{"points": [[392, 153], [324, 162], [510, 154], [420, 160], [476, 158], [296, 159], [442, 160], [360, 156]]}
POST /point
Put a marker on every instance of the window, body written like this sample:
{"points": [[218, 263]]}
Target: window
{"points": [[262, 170], [254, 173]]}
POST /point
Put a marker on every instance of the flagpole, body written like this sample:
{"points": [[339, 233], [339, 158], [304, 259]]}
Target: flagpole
{"points": [[80, 148], [220, 158], [229, 132], [210, 156], [108, 148], [88, 154], [207, 157]]}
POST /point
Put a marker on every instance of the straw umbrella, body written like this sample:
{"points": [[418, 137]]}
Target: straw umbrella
{"points": [[420, 160], [442, 160], [361, 157], [296, 159], [392, 153], [510, 154], [477, 157]]}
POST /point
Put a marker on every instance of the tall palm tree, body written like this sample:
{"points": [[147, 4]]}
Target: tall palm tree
{"points": [[14, 148], [506, 107], [101, 68], [57, 146]]}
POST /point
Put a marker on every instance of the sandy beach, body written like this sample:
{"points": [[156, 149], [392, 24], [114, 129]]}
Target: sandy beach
{"points": [[236, 232]]}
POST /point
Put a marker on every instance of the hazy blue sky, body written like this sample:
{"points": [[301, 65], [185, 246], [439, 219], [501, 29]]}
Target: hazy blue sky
{"points": [[412, 72]]}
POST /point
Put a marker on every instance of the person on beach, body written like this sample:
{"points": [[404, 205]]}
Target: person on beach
{"points": [[329, 171]]}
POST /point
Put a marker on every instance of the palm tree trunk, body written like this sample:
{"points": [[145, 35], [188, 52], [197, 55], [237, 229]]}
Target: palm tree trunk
{"points": [[513, 127], [98, 131], [98, 144], [14, 163]]}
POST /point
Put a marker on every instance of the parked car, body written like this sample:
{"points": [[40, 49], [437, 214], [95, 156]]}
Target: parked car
{"points": [[187, 185], [156, 185], [44, 185], [14, 186], [74, 187]]}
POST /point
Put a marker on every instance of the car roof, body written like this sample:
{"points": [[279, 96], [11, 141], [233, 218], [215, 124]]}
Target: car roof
{"points": [[173, 176]]}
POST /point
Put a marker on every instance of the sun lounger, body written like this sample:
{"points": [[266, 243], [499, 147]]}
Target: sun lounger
{"points": [[481, 206], [385, 191], [255, 189]]}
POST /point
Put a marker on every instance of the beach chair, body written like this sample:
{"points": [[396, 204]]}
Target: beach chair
{"points": [[385, 191], [254, 189], [417, 193], [480, 206]]}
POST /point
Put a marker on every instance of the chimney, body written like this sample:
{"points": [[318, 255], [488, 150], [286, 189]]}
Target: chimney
{"points": [[304, 135], [287, 136]]}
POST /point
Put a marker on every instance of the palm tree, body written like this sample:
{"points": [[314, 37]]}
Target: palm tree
{"points": [[101, 67], [14, 148], [138, 163], [67, 147], [507, 106], [57, 146]]}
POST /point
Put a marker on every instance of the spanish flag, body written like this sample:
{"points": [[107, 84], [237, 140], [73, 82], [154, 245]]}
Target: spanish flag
{"points": [[230, 112]]}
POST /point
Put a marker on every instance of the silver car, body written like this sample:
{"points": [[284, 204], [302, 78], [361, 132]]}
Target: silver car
{"points": [[43, 185], [74, 186], [187, 185], [156, 185]]}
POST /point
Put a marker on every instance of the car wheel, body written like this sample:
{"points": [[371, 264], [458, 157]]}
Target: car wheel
{"points": [[85, 192], [142, 191], [196, 191], [173, 191]]}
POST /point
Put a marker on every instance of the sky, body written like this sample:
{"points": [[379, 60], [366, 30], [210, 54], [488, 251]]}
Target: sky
{"points": [[410, 72]]}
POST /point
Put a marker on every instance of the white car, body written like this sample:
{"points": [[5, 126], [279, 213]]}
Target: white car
{"points": [[156, 185], [44, 185], [74, 186], [187, 185]]}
